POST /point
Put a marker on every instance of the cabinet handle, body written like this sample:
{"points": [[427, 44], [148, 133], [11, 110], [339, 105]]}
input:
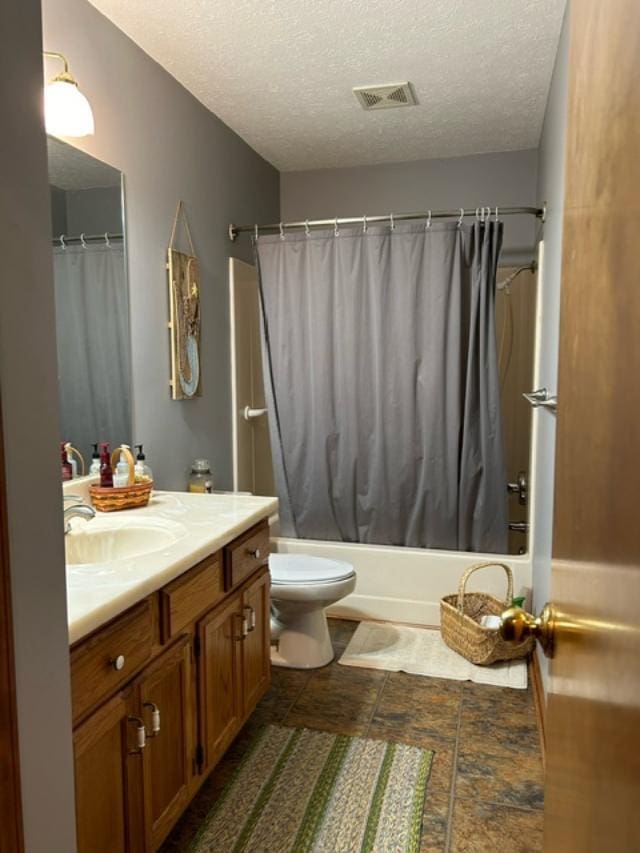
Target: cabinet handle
{"points": [[141, 735], [249, 621], [243, 625], [117, 663], [155, 719], [254, 552]]}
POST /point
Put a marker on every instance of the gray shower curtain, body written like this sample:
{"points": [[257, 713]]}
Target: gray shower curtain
{"points": [[92, 325], [382, 384]]}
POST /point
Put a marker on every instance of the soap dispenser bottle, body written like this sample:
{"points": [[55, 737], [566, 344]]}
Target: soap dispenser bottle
{"points": [[67, 470], [94, 469], [106, 474], [143, 472], [121, 475]]}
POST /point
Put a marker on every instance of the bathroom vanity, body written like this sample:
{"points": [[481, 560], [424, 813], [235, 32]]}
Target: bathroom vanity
{"points": [[169, 656]]}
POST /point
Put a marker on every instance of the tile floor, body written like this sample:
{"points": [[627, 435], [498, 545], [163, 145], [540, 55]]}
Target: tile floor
{"points": [[485, 792]]}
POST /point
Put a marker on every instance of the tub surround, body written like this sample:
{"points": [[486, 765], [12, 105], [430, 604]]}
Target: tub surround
{"points": [[198, 526]]}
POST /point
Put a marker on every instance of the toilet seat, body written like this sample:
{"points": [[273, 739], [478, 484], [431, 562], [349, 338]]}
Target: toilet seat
{"points": [[303, 569]]}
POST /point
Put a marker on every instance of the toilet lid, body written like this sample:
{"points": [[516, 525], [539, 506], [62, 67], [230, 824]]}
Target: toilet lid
{"points": [[302, 568]]}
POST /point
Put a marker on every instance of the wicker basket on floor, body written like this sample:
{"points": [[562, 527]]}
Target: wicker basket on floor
{"points": [[460, 623]]}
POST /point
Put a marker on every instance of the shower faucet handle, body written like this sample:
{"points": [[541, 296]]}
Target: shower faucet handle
{"points": [[542, 399], [520, 487]]}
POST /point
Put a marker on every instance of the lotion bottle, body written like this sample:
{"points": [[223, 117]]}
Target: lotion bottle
{"points": [[67, 470], [121, 475], [106, 474], [71, 460]]}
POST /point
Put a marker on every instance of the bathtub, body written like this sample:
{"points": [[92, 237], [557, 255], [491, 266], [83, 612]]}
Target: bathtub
{"points": [[406, 584]]}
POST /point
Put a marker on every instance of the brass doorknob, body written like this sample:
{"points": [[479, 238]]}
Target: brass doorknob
{"points": [[516, 625]]}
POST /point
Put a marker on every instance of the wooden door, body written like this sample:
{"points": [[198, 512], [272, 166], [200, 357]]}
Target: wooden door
{"points": [[256, 649], [220, 637], [593, 714], [165, 689], [103, 799]]}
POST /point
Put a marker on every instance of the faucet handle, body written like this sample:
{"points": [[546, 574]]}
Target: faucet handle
{"points": [[72, 498]]}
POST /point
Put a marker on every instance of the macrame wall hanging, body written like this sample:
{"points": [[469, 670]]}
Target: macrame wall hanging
{"points": [[184, 319]]}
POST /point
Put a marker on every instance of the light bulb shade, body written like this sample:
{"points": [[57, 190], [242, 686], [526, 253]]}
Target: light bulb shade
{"points": [[67, 111]]}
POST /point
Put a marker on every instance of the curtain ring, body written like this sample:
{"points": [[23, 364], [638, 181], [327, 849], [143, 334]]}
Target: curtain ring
{"points": [[428, 225], [336, 231], [82, 240], [106, 240], [391, 222], [307, 230], [63, 245], [496, 212], [478, 213], [255, 231], [461, 217], [281, 231], [364, 224], [488, 213]]}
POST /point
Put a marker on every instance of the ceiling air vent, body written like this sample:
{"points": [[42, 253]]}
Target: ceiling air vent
{"points": [[385, 97]]}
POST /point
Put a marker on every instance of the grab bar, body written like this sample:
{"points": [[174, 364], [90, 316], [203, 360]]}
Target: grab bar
{"points": [[249, 413]]}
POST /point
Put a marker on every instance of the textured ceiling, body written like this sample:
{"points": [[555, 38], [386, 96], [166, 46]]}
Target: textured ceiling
{"points": [[280, 72], [72, 169]]}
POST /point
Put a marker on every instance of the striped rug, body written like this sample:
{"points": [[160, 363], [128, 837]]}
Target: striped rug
{"points": [[300, 790]]}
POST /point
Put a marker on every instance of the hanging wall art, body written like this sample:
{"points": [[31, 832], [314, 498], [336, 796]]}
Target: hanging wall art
{"points": [[184, 318]]}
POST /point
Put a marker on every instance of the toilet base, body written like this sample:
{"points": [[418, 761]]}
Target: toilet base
{"points": [[303, 640]]}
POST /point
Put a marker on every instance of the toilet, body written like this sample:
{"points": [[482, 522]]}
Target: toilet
{"points": [[302, 587]]}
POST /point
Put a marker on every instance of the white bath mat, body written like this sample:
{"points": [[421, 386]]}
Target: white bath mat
{"points": [[422, 651]]}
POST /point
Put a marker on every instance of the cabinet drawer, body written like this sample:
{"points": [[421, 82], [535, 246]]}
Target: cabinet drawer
{"points": [[100, 664], [245, 555], [187, 597]]}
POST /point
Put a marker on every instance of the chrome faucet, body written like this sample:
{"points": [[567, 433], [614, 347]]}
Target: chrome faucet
{"points": [[78, 510]]}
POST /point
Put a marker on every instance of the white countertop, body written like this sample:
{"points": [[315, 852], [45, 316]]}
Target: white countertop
{"points": [[201, 524]]}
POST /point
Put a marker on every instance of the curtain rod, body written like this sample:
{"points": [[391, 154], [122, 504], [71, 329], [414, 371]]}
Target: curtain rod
{"points": [[63, 240], [479, 212]]}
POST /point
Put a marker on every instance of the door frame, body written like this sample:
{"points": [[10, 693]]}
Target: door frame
{"points": [[11, 831]]}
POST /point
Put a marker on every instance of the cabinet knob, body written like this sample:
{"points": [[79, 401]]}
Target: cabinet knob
{"points": [[254, 552], [117, 662]]}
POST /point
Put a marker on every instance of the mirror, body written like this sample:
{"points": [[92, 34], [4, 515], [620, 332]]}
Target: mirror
{"points": [[91, 299]]}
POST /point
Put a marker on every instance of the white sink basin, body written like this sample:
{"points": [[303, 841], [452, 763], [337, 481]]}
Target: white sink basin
{"points": [[95, 543]]}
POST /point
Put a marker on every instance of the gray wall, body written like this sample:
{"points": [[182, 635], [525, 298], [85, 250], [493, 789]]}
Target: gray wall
{"points": [[90, 211], [94, 211], [28, 388], [58, 211], [169, 147], [505, 179], [551, 190]]}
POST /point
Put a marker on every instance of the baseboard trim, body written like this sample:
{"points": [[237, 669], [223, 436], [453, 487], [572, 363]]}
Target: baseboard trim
{"points": [[539, 701]]}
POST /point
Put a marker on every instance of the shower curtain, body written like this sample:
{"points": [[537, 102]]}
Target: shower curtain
{"points": [[92, 325], [382, 384]]}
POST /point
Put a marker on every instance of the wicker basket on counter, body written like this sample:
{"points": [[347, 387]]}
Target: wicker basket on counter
{"points": [[460, 627], [124, 497]]}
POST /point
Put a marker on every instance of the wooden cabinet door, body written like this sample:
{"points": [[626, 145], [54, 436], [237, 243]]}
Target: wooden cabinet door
{"points": [[101, 747], [256, 648], [220, 637], [165, 689]]}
